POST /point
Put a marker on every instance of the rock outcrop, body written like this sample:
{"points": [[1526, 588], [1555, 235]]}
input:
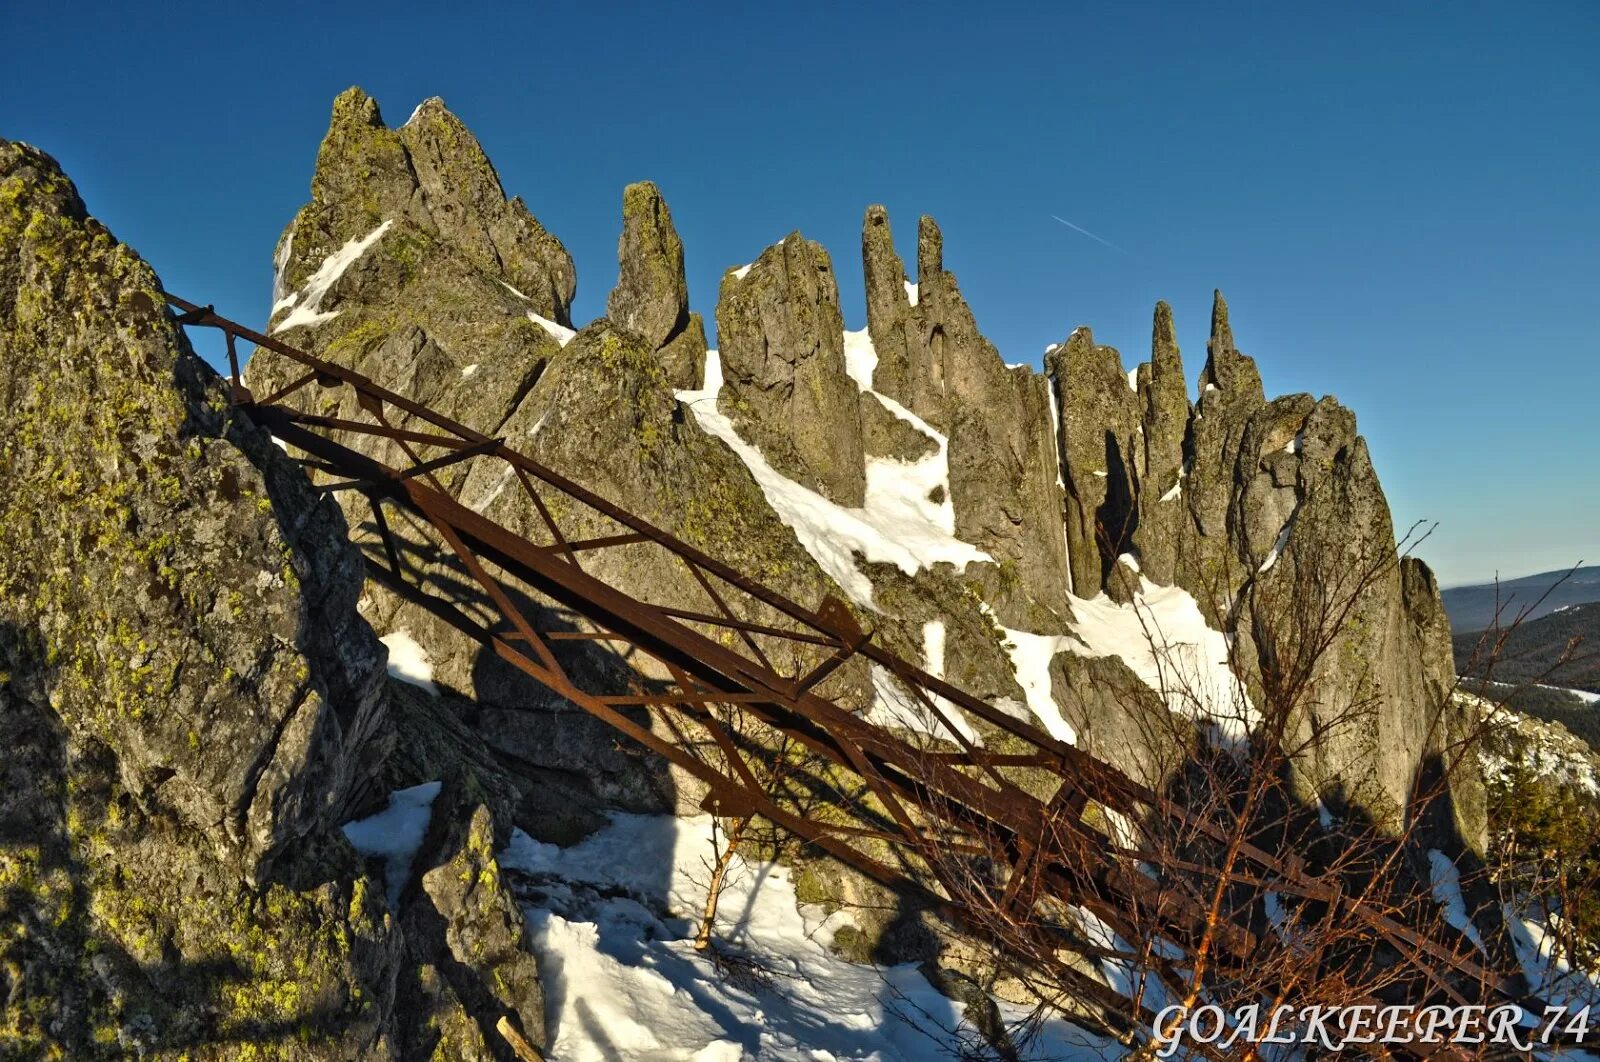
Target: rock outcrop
{"points": [[468, 941], [193, 702], [1100, 456], [1004, 471], [410, 265], [651, 296], [781, 337], [1164, 416], [652, 293]]}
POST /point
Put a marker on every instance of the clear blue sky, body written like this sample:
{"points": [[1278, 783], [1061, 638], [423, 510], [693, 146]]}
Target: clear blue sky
{"points": [[1399, 200]]}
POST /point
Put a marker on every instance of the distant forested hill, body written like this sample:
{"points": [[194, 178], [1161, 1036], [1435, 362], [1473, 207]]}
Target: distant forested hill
{"points": [[1530, 655], [1472, 608], [1532, 651]]}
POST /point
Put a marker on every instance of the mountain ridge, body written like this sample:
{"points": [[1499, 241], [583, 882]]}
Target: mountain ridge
{"points": [[1232, 499], [1475, 606]]}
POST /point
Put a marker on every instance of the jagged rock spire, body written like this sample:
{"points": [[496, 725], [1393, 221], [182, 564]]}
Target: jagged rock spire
{"points": [[652, 295], [1164, 419], [905, 370], [432, 176], [652, 292], [433, 282], [1098, 423], [1226, 369], [887, 297], [930, 248], [781, 338]]}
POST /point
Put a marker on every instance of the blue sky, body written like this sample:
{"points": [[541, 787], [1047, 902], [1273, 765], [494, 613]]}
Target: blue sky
{"points": [[1399, 200]]}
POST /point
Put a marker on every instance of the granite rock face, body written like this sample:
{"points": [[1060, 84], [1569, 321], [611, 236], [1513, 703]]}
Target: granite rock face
{"points": [[781, 337], [168, 549], [1003, 461], [194, 703], [652, 293], [1101, 460], [1164, 415], [467, 937], [651, 296], [410, 265]]}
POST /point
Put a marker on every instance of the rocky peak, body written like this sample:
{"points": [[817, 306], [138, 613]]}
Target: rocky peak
{"points": [[904, 371], [1230, 392], [361, 163], [461, 193], [652, 293], [781, 338], [930, 249], [1101, 455], [1164, 398], [410, 265], [1209, 497], [1226, 369]]}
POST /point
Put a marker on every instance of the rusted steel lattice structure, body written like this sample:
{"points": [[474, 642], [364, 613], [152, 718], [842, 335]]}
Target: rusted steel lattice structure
{"points": [[932, 805]]}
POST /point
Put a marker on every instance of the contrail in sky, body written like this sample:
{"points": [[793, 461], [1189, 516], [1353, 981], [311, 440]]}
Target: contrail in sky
{"points": [[1092, 236]]}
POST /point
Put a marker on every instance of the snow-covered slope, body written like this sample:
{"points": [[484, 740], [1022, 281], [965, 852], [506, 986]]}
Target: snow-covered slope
{"points": [[612, 920]]}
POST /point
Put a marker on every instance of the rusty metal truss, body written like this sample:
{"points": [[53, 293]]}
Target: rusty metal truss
{"points": [[922, 807]]}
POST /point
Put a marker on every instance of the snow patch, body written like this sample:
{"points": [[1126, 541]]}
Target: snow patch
{"points": [[562, 333], [1583, 695], [898, 523], [1055, 449], [1163, 638], [307, 302], [280, 263], [395, 834], [1445, 880], [1133, 379], [743, 271], [408, 661], [1030, 661], [1543, 960], [894, 705], [1120, 974], [911, 292], [1277, 548], [622, 978], [860, 358], [467, 372]]}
